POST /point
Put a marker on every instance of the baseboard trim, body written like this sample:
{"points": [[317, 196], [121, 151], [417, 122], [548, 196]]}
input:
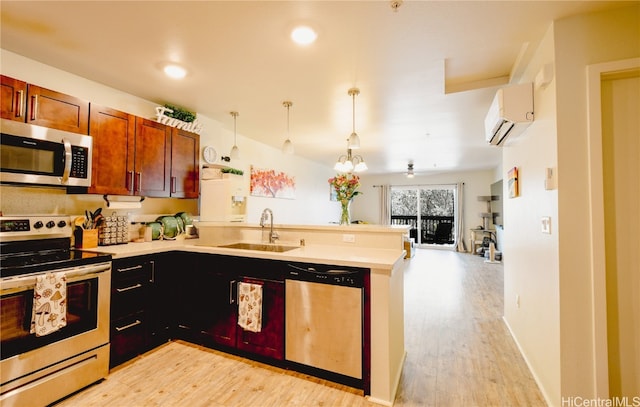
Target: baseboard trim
{"points": [[547, 399], [395, 387]]}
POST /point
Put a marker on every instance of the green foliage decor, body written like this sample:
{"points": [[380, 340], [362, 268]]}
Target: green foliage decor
{"points": [[230, 170], [180, 114]]}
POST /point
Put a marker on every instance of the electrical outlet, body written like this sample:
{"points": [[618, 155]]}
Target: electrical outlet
{"points": [[349, 238]]}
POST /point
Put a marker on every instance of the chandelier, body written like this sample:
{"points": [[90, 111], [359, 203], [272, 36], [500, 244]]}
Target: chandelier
{"points": [[351, 163]]}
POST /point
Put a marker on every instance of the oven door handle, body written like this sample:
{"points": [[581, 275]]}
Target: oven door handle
{"points": [[28, 281]]}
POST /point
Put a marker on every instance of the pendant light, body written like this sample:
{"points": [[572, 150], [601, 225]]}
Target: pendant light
{"points": [[287, 147], [235, 151], [351, 163]]}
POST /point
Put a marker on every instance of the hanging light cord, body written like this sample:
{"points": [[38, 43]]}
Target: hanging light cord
{"points": [[288, 105], [353, 121]]}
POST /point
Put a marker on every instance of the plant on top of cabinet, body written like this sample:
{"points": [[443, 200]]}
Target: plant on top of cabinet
{"points": [[179, 113]]}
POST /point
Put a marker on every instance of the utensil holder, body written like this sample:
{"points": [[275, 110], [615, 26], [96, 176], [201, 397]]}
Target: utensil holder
{"points": [[86, 238]]}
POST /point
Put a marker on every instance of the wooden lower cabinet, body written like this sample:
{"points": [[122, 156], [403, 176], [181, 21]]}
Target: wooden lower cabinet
{"points": [[130, 285], [161, 308], [192, 297], [269, 341], [208, 312]]}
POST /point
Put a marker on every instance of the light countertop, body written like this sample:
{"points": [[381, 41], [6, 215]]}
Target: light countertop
{"points": [[383, 260]]}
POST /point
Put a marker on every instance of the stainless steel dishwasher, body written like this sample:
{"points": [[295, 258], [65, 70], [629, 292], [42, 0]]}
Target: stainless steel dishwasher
{"points": [[324, 319]]}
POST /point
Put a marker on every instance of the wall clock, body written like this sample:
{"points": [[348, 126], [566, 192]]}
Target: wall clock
{"points": [[209, 155]]}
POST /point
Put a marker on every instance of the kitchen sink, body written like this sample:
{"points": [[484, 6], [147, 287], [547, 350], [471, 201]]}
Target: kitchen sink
{"points": [[264, 247]]}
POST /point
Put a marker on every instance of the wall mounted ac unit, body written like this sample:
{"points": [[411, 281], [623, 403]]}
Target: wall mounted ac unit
{"points": [[510, 113]]}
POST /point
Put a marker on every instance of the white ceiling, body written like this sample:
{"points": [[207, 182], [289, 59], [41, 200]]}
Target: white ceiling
{"points": [[426, 73]]}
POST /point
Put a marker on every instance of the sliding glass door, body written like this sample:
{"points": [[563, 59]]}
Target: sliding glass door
{"points": [[428, 209]]}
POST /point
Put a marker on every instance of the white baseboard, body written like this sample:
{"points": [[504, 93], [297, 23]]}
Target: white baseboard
{"points": [[389, 403], [547, 399]]}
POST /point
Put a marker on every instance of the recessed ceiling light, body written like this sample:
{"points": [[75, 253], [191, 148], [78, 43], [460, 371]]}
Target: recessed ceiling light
{"points": [[174, 71], [303, 35]]}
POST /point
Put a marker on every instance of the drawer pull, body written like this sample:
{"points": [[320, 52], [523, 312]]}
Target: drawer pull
{"points": [[131, 325], [139, 266], [131, 287]]}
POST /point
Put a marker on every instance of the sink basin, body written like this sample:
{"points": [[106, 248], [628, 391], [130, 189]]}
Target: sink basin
{"points": [[264, 247]]}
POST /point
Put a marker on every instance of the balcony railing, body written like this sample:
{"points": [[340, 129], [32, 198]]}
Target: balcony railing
{"points": [[429, 231]]}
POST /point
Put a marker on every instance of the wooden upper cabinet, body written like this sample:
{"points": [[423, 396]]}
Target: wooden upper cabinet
{"points": [[13, 98], [152, 158], [56, 110], [113, 135], [36, 105], [185, 164]]}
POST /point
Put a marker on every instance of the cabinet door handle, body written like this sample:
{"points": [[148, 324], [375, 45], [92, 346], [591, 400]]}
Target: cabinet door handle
{"points": [[129, 180], [124, 270], [131, 287], [138, 185], [173, 185], [131, 325], [232, 298], [34, 107], [153, 271], [19, 103]]}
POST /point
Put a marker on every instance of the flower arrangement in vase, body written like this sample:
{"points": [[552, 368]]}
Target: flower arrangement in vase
{"points": [[346, 188]]}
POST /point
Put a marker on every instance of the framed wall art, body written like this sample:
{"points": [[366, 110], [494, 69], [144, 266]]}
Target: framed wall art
{"points": [[513, 183], [269, 183]]}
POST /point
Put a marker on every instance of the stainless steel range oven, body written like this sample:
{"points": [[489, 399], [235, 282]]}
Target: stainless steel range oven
{"points": [[39, 368]]}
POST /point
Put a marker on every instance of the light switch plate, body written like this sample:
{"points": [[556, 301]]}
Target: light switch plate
{"points": [[549, 178], [546, 224]]}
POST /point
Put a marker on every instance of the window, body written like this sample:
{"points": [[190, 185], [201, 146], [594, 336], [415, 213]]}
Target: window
{"points": [[428, 209]]}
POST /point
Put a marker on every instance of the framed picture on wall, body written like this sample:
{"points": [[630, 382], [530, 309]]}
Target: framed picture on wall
{"points": [[514, 186]]}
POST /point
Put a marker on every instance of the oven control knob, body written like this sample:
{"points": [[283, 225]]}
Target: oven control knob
{"points": [[38, 225], [50, 224], [62, 224]]}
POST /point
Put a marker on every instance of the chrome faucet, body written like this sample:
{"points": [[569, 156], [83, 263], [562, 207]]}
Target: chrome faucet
{"points": [[268, 214]]}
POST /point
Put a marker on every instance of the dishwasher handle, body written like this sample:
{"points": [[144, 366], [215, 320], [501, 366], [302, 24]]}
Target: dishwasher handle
{"points": [[295, 270]]}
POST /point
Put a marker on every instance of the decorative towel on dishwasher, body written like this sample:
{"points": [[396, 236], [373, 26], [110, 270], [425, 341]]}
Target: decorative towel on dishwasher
{"points": [[49, 304], [250, 306]]}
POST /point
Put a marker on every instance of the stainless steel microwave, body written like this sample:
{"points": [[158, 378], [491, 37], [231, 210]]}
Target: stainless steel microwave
{"points": [[42, 156]]}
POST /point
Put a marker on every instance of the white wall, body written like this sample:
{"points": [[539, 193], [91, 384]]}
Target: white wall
{"points": [[366, 206], [581, 41], [311, 206], [531, 269], [551, 273]]}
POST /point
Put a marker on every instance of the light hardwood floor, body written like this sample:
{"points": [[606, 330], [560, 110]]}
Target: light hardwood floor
{"points": [[459, 353]]}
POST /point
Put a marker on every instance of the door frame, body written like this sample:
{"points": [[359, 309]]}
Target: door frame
{"points": [[595, 74]]}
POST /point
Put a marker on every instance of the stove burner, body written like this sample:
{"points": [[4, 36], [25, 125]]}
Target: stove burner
{"points": [[25, 257]]}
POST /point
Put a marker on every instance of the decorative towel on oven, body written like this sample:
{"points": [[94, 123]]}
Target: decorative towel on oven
{"points": [[250, 306], [49, 304]]}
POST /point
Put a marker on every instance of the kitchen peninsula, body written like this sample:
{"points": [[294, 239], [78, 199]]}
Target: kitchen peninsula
{"points": [[377, 249]]}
